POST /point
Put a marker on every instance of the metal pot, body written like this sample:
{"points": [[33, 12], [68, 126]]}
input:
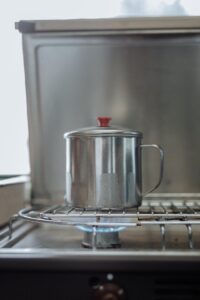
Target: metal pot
{"points": [[103, 167]]}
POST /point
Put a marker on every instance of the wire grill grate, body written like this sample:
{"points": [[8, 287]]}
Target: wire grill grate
{"points": [[160, 211]]}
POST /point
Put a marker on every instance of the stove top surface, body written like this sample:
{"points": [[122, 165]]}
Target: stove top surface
{"points": [[132, 239]]}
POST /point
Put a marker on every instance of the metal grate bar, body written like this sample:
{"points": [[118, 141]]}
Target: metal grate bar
{"points": [[94, 237], [156, 213], [84, 213], [162, 233], [190, 240]]}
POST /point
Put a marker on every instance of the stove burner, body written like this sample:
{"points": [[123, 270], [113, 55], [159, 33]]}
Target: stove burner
{"points": [[103, 240], [106, 237]]}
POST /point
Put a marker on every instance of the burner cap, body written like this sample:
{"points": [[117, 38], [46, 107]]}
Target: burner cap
{"points": [[103, 240]]}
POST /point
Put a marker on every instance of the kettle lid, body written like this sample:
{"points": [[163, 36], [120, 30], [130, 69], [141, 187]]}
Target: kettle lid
{"points": [[103, 129]]}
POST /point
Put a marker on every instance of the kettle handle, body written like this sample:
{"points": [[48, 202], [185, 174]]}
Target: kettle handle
{"points": [[161, 166]]}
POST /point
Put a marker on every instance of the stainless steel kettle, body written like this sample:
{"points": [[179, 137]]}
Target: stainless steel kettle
{"points": [[103, 167]]}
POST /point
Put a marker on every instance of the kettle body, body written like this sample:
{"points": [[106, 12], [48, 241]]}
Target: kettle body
{"points": [[104, 167]]}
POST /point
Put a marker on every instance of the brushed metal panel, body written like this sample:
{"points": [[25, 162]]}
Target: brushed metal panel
{"points": [[142, 22], [148, 83]]}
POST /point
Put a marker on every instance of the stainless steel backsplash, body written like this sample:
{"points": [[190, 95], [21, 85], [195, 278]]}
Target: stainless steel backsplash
{"points": [[150, 83]]}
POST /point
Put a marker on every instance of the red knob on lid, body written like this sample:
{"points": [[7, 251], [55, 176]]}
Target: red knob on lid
{"points": [[104, 121]]}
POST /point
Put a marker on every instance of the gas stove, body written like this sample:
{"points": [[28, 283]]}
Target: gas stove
{"points": [[159, 246]]}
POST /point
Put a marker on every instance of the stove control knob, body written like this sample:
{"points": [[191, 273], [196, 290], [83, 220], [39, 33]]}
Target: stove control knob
{"points": [[109, 291]]}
